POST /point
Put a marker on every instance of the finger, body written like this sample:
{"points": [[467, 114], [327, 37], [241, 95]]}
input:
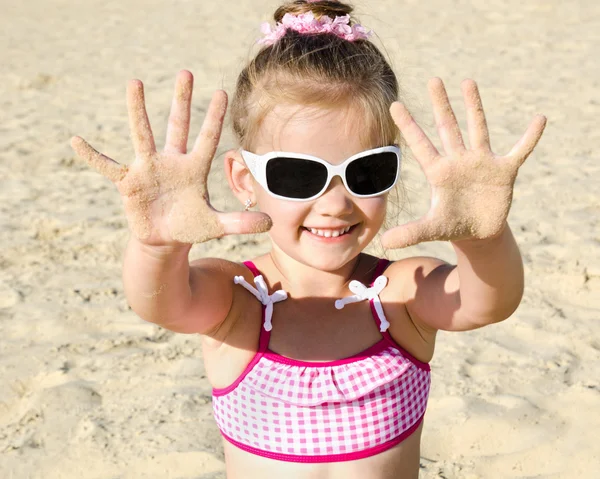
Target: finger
{"points": [[416, 139], [410, 234], [179, 119], [245, 222], [103, 164], [445, 120], [529, 140], [479, 137], [208, 138], [139, 125]]}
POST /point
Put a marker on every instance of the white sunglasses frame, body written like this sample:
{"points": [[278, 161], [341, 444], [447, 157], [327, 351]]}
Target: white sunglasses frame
{"points": [[257, 165]]}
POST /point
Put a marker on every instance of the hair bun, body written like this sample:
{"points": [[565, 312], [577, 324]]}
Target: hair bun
{"points": [[319, 8]]}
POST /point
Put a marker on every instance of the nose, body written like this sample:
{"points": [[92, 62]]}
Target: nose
{"points": [[336, 201]]}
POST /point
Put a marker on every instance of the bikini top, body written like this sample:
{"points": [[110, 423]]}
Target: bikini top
{"points": [[341, 410]]}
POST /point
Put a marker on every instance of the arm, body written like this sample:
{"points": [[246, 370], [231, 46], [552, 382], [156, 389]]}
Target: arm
{"points": [[471, 194], [163, 288], [165, 195], [485, 286], [489, 277]]}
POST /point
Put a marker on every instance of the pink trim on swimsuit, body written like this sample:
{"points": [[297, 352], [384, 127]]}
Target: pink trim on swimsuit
{"points": [[347, 409]]}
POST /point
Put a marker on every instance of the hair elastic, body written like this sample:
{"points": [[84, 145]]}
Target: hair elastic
{"points": [[307, 23]]}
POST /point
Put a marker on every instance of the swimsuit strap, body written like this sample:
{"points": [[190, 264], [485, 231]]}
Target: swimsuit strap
{"points": [[252, 267], [376, 308], [382, 264], [261, 292], [361, 293]]}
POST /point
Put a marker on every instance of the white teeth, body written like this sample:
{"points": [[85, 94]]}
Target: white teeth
{"points": [[329, 233]]}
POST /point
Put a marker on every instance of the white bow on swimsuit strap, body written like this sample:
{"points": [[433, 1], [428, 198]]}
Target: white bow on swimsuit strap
{"points": [[262, 294], [361, 292]]}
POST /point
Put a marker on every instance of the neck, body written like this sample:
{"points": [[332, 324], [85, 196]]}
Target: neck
{"points": [[301, 280]]}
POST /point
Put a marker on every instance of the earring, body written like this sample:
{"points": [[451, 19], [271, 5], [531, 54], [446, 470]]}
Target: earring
{"points": [[248, 204]]}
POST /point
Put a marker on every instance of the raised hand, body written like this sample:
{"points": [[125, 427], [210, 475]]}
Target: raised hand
{"points": [[471, 189], [165, 194]]}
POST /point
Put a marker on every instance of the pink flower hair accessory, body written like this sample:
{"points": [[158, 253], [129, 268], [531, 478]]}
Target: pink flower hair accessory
{"points": [[307, 23]]}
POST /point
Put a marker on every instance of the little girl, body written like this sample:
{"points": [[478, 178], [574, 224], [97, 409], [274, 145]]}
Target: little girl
{"points": [[318, 353]]}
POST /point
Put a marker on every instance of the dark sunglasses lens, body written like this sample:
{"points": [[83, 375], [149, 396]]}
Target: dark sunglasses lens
{"points": [[372, 174], [295, 178]]}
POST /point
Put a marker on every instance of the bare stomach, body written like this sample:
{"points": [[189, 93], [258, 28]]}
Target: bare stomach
{"points": [[399, 462]]}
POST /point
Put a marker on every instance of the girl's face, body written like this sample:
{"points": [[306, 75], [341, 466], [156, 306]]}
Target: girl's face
{"points": [[334, 136]]}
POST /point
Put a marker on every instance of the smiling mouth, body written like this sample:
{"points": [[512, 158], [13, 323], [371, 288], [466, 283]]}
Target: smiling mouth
{"points": [[329, 233]]}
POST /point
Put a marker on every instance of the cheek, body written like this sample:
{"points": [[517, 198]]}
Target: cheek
{"points": [[283, 213], [374, 209]]}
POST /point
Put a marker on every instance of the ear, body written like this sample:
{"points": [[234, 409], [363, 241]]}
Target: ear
{"points": [[239, 177]]}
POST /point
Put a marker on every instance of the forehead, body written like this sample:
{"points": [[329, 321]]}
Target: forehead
{"points": [[313, 130]]}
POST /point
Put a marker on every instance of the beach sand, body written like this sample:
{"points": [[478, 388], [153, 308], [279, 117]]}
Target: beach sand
{"points": [[91, 391]]}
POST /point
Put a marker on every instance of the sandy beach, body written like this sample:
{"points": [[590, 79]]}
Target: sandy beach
{"points": [[90, 391]]}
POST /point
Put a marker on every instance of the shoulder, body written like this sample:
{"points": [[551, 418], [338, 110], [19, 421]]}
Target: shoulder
{"points": [[216, 301], [220, 269], [407, 269], [405, 274], [405, 328], [406, 283], [217, 276]]}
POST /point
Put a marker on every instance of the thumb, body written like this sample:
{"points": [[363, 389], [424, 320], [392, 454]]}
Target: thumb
{"points": [[101, 163], [245, 222], [408, 234]]}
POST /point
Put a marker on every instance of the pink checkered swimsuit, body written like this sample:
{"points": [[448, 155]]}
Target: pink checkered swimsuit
{"points": [[341, 410]]}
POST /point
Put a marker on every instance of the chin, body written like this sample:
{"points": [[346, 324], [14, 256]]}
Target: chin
{"points": [[326, 259]]}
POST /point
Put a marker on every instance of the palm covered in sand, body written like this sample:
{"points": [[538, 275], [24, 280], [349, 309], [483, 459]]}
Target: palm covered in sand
{"points": [[165, 194], [471, 189]]}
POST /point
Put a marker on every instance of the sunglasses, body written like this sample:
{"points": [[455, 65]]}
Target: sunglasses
{"points": [[299, 177]]}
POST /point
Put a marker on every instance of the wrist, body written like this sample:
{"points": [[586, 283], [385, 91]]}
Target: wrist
{"points": [[160, 251], [483, 242]]}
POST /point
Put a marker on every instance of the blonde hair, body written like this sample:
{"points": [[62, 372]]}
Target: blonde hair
{"points": [[316, 70]]}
